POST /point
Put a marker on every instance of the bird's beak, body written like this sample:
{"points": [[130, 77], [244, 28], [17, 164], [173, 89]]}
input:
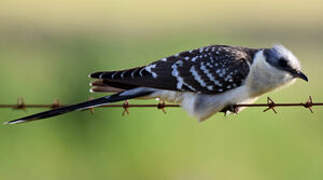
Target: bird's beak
{"points": [[299, 74]]}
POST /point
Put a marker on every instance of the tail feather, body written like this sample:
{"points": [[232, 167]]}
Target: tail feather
{"points": [[105, 89], [81, 106], [101, 86]]}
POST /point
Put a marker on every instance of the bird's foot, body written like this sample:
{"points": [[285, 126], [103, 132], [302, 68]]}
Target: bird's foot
{"points": [[230, 109]]}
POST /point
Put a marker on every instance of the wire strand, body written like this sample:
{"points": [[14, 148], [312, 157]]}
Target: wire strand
{"points": [[270, 105]]}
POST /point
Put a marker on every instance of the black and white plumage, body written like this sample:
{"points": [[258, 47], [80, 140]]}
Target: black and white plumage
{"points": [[204, 81], [209, 70]]}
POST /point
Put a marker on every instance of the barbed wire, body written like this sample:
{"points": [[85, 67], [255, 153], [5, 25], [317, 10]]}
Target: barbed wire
{"points": [[270, 105]]}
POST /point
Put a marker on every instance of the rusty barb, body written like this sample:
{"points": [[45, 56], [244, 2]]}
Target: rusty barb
{"points": [[270, 105]]}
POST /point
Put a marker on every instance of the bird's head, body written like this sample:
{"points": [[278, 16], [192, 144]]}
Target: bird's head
{"points": [[284, 60]]}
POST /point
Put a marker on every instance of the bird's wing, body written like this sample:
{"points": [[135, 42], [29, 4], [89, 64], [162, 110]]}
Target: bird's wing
{"points": [[210, 70]]}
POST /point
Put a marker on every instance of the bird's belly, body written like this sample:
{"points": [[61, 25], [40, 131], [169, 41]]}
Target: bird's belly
{"points": [[202, 106], [169, 96], [233, 96]]}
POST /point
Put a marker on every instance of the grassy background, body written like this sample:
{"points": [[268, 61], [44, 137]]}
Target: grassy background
{"points": [[47, 49]]}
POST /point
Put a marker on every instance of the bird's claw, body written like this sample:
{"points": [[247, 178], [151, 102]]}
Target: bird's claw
{"points": [[230, 109]]}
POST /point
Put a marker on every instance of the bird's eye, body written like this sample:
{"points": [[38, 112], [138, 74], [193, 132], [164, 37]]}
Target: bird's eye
{"points": [[282, 62]]}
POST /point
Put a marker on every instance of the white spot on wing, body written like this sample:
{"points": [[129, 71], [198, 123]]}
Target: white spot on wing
{"points": [[180, 80], [197, 77], [112, 76], [210, 88], [189, 86], [140, 72], [176, 74], [221, 72], [122, 74], [195, 58], [164, 59], [133, 73], [148, 69], [209, 75]]}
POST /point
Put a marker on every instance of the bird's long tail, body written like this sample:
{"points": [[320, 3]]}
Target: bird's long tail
{"points": [[130, 94]]}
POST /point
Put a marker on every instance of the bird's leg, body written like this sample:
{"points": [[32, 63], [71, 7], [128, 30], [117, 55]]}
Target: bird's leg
{"points": [[230, 109], [161, 105]]}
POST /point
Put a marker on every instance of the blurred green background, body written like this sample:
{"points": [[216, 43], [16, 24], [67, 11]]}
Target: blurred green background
{"points": [[47, 49]]}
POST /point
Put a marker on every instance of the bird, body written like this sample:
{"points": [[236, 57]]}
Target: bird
{"points": [[203, 81]]}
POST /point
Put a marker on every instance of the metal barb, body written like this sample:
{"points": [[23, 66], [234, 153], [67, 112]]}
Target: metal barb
{"points": [[271, 105], [20, 104], [56, 104], [161, 105], [125, 107], [91, 109], [309, 104]]}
